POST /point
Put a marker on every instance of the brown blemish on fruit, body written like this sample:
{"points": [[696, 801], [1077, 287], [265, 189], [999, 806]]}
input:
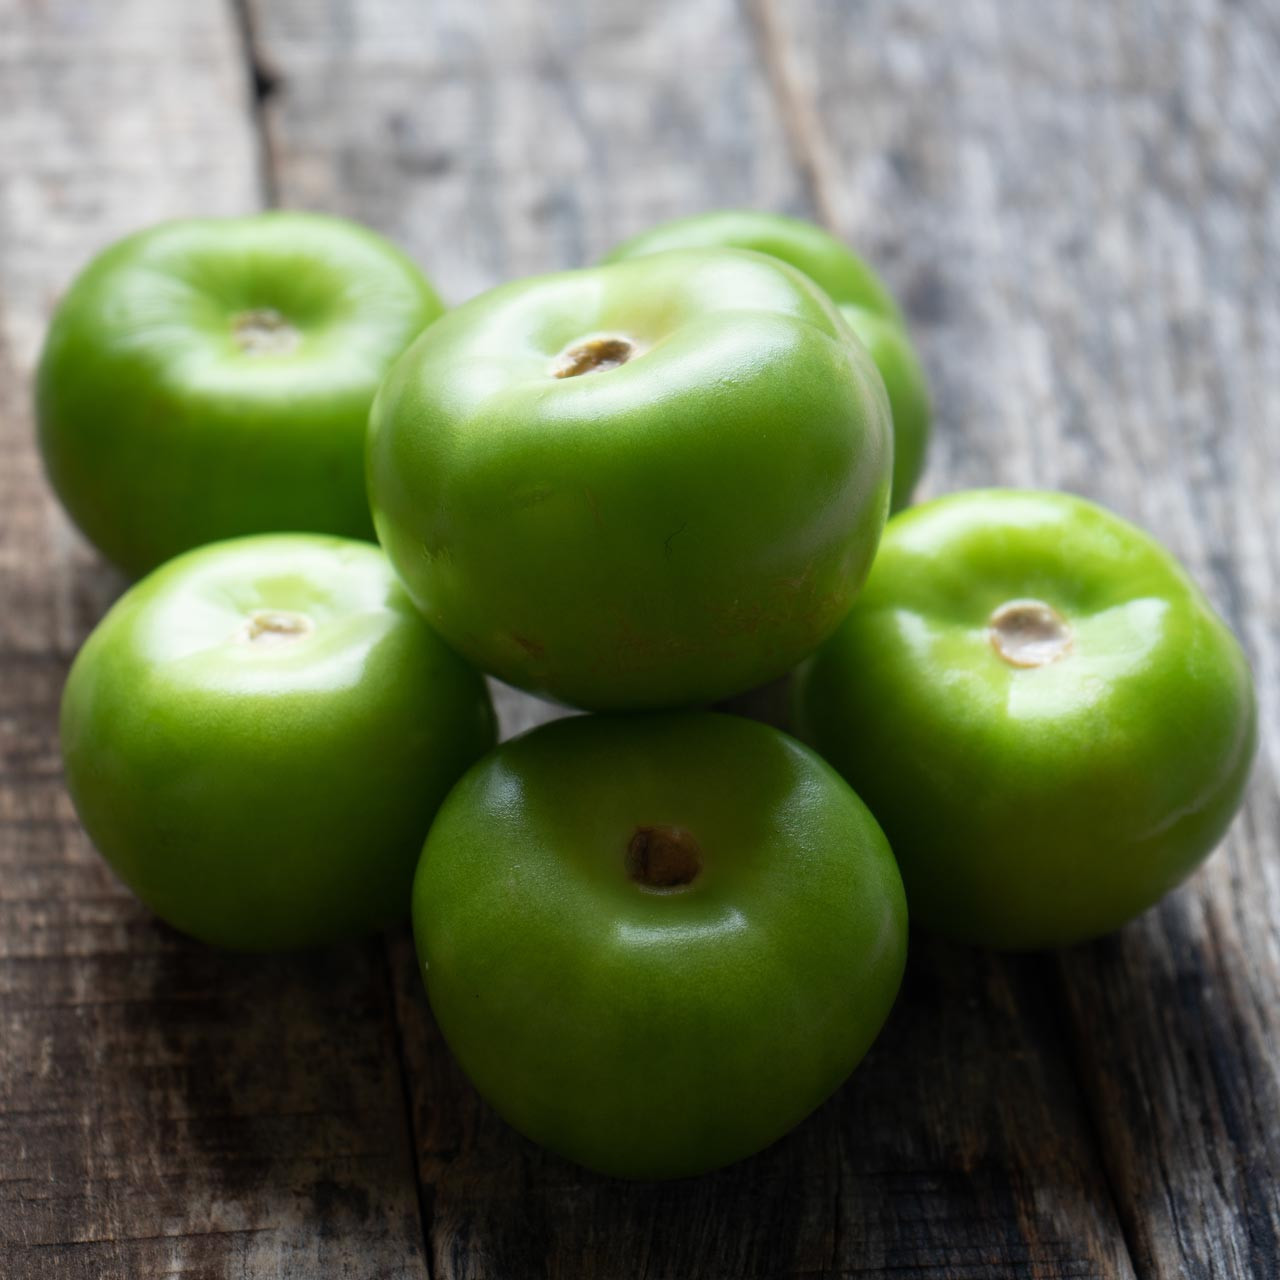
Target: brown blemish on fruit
{"points": [[531, 647], [663, 857], [594, 355], [1029, 633], [264, 332]]}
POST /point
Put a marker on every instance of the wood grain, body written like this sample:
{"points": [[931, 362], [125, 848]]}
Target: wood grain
{"points": [[1086, 229], [164, 1109], [504, 139]]}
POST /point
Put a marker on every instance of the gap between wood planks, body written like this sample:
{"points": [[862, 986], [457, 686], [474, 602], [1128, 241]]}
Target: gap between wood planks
{"points": [[262, 83]]}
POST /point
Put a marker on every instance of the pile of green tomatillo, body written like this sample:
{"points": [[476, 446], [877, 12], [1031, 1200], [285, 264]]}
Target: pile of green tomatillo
{"points": [[655, 937]]}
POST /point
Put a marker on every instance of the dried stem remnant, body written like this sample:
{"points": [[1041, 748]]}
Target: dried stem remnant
{"points": [[594, 355], [663, 857]]}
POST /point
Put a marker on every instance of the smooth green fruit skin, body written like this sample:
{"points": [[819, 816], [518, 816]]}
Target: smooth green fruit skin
{"points": [[268, 796], [1033, 807], [904, 380], [867, 306], [644, 1033], [160, 432], [675, 530]]}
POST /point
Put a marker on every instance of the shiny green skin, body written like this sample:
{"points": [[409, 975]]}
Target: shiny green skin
{"points": [[657, 1033], [160, 433], [675, 530], [1033, 807], [265, 797], [904, 380], [865, 303]]}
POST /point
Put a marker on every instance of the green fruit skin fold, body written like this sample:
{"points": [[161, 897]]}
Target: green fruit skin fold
{"points": [[1033, 807], [665, 533], [645, 1033], [866, 304], [160, 432], [267, 797]]}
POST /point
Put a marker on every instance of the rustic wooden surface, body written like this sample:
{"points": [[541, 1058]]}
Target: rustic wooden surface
{"points": [[1079, 204]]}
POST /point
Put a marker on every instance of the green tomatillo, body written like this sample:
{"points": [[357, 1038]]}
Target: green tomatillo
{"points": [[862, 298], [212, 377], [644, 485], [656, 943], [1042, 709], [258, 734]]}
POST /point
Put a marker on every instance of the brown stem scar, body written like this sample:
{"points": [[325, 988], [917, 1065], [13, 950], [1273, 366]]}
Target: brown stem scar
{"points": [[264, 332], [269, 628], [663, 857], [594, 355], [1029, 633]]}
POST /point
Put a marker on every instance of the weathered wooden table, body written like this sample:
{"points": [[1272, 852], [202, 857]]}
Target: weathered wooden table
{"points": [[1079, 203]]}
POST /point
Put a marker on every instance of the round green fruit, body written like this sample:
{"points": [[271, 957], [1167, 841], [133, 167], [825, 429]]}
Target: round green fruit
{"points": [[213, 377], [656, 943], [258, 734], [865, 303], [644, 485], [1042, 709], [847, 280]]}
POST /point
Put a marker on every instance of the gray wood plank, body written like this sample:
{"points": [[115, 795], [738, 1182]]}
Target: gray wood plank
{"points": [[503, 139], [1080, 204], [164, 1109]]}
